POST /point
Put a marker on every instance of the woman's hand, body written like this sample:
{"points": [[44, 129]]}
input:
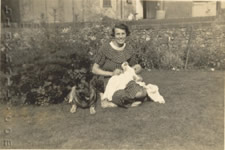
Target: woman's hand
{"points": [[117, 72]]}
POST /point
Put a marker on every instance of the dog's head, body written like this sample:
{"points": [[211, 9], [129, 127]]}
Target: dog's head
{"points": [[86, 88], [83, 90]]}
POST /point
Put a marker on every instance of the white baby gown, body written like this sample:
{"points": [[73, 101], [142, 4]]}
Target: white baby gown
{"points": [[119, 82]]}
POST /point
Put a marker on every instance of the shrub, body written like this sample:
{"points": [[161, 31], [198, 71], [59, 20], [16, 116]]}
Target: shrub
{"points": [[46, 65]]}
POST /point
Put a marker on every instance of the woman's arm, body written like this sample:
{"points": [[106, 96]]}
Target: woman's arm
{"points": [[97, 70]]}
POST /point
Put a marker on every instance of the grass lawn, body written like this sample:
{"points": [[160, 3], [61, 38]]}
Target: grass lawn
{"points": [[191, 119]]}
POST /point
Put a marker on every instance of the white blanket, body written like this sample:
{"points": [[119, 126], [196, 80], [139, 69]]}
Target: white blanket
{"points": [[119, 82]]}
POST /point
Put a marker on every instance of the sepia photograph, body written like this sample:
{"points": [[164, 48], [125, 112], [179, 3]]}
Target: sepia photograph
{"points": [[112, 74]]}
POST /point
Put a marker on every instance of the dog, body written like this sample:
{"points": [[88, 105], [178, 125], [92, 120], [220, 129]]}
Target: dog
{"points": [[84, 95]]}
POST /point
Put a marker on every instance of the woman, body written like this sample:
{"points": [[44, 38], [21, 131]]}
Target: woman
{"points": [[108, 63]]}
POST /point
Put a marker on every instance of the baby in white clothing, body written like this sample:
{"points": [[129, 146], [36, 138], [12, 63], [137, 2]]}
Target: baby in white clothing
{"points": [[119, 82]]}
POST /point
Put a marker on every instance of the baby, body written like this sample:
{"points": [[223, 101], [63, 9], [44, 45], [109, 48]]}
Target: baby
{"points": [[119, 82]]}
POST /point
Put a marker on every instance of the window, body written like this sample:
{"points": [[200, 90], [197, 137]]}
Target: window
{"points": [[203, 8], [107, 3]]}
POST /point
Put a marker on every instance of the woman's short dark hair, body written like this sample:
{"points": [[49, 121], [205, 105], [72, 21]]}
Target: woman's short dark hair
{"points": [[120, 26]]}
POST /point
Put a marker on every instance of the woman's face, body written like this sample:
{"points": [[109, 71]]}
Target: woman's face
{"points": [[120, 36]]}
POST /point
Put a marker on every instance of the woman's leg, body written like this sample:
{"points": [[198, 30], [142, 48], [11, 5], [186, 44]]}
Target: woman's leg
{"points": [[137, 92], [133, 95], [141, 93], [122, 98]]}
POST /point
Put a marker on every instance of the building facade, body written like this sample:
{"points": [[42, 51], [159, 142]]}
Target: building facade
{"points": [[36, 11]]}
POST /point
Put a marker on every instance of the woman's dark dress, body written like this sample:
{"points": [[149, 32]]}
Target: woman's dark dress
{"points": [[109, 59]]}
